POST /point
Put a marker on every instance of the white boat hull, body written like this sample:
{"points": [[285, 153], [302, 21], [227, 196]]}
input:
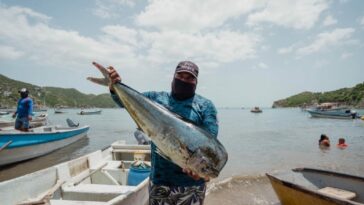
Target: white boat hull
{"points": [[9, 156], [99, 178]]}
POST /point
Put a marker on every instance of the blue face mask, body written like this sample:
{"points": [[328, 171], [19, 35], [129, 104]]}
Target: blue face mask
{"points": [[182, 90]]}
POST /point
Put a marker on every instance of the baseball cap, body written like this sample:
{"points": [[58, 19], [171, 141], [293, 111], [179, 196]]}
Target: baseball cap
{"points": [[187, 66], [23, 90]]}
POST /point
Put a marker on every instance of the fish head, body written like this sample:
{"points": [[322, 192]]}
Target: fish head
{"points": [[205, 162]]}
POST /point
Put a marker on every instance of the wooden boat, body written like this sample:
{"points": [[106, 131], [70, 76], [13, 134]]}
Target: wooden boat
{"points": [[303, 186], [18, 146], [256, 110], [334, 113], [89, 112], [99, 178], [37, 121]]}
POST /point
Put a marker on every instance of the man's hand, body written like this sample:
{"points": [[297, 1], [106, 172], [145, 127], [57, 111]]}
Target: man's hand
{"points": [[30, 118], [14, 115], [114, 76], [194, 175]]}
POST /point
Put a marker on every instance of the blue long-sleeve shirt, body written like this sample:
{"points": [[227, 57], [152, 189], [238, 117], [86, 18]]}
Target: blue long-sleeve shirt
{"points": [[25, 107], [198, 110]]}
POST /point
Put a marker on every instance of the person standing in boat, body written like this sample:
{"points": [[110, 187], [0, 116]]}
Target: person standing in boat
{"points": [[24, 111], [169, 183]]}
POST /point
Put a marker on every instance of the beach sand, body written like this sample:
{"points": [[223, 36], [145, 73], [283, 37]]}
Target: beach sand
{"points": [[241, 190]]}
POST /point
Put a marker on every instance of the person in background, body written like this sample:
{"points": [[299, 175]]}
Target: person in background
{"points": [[24, 111], [169, 183], [341, 143], [324, 141]]}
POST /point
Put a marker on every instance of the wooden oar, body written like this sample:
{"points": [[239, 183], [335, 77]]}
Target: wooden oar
{"points": [[5, 145]]}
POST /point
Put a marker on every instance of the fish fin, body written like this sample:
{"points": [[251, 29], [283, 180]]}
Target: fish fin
{"points": [[158, 151], [101, 81]]}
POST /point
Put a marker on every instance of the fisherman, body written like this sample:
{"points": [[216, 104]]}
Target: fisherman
{"points": [[169, 183], [24, 111]]}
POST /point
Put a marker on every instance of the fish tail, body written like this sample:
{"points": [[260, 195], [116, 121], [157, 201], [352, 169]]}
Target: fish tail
{"points": [[101, 81]]}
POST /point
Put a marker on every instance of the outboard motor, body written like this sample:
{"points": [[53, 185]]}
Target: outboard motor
{"points": [[71, 123]]}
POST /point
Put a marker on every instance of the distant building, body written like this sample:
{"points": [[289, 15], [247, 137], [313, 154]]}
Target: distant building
{"points": [[7, 93]]}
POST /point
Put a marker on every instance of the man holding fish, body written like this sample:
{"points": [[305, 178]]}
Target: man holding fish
{"points": [[185, 151]]}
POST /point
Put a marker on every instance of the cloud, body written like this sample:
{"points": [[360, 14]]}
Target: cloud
{"points": [[346, 55], [296, 14], [329, 20], [129, 47], [362, 21], [287, 50], [191, 15], [9, 53], [215, 47], [344, 1], [27, 31], [111, 8], [262, 65], [327, 39]]}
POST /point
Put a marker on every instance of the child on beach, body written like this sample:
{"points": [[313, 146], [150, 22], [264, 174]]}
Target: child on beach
{"points": [[341, 144]]}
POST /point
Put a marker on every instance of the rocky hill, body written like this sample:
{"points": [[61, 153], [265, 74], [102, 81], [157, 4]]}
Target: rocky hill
{"points": [[353, 97], [50, 96]]}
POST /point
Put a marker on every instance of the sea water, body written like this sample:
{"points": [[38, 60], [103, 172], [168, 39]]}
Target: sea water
{"points": [[277, 139]]}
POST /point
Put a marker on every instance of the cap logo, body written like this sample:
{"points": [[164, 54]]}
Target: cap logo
{"points": [[187, 66]]}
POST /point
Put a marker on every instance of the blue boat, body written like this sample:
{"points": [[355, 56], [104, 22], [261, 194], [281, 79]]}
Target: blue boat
{"points": [[16, 146], [338, 113]]}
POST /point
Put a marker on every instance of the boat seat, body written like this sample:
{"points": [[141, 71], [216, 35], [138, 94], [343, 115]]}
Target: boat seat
{"points": [[71, 202], [339, 193], [95, 192]]}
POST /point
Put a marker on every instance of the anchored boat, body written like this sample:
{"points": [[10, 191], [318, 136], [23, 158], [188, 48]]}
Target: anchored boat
{"points": [[89, 112], [333, 113], [304, 186], [37, 121]]}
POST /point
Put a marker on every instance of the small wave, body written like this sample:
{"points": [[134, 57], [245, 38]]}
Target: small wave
{"points": [[241, 190]]}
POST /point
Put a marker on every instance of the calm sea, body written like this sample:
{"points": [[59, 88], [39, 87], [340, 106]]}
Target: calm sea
{"points": [[276, 139]]}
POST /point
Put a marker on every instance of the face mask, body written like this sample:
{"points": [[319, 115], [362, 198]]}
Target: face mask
{"points": [[24, 95], [182, 90]]}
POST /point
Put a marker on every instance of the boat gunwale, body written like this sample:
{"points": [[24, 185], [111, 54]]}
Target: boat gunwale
{"points": [[79, 131], [329, 173], [306, 190]]}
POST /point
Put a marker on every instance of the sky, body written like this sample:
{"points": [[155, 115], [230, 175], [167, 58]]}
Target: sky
{"points": [[250, 53]]}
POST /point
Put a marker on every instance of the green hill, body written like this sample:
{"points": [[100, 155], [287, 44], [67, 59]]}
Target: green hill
{"points": [[50, 96], [353, 97]]}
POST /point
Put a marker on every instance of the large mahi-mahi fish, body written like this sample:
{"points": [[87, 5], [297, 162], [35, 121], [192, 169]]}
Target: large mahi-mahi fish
{"points": [[180, 141]]}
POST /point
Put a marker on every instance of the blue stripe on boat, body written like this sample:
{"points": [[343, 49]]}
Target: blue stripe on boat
{"points": [[27, 139]]}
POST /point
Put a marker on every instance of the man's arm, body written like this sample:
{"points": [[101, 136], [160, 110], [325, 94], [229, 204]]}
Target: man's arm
{"points": [[210, 122]]}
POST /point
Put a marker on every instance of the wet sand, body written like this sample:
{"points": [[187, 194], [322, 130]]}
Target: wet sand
{"points": [[241, 190]]}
